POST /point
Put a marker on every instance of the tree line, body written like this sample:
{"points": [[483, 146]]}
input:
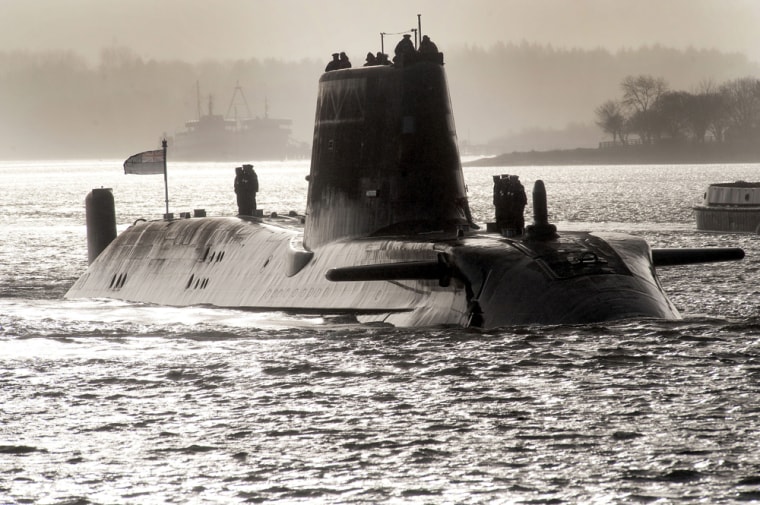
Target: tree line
{"points": [[649, 110], [514, 96]]}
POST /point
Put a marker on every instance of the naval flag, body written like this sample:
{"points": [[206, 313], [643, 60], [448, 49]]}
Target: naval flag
{"points": [[149, 162]]}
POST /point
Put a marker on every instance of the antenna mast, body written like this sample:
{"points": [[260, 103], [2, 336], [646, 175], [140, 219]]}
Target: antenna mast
{"points": [[198, 98], [238, 89]]}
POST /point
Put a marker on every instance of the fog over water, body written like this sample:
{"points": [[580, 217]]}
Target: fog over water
{"points": [[90, 79], [193, 30]]}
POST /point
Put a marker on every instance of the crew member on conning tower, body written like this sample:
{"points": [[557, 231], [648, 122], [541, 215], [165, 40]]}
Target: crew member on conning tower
{"points": [[371, 60], [343, 61], [403, 48], [334, 63], [427, 45]]}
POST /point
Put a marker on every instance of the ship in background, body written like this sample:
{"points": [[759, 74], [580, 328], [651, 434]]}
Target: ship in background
{"points": [[217, 137]]}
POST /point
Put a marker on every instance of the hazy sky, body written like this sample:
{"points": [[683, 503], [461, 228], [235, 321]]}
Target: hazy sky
{"points": [[193, 30]]}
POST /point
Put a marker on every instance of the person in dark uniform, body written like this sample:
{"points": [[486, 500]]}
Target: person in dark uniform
{"points": [[370, 61], [519, 200], [240, 189], [252, 188], [334, 64], [500, 202], [509, 199], [403, 48], [427, 45], [343, 61]]}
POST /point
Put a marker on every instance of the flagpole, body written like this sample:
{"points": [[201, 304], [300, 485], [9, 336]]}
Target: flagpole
{"points": [[166, 182]]}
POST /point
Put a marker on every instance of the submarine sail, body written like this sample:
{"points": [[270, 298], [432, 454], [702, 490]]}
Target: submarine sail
{"points": [[384, 157], [388, 234]]}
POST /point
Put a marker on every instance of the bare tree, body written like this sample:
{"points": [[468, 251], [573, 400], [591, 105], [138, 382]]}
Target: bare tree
{"points": [[671, 115], [640, 93], [611, 120], [644, 124], [706, 113], [742, 100]]}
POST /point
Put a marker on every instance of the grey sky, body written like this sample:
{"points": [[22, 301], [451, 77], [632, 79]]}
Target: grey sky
{"points": [[194, 30]]}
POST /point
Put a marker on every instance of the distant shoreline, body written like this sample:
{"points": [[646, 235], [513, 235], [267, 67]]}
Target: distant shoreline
{"points": [[629, 155]]}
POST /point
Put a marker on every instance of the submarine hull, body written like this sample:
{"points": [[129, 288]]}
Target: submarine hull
{"points": [[485, 280], [244, 263], [388, 235]]}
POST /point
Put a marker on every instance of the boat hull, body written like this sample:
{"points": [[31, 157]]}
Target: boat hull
{"points": [[728, 219], [489, 281]]}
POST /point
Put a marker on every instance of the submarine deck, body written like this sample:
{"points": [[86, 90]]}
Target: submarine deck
{"points": [[485, 279]]}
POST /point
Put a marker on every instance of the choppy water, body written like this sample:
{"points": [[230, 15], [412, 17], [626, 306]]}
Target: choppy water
{"points": [[109, 402]]}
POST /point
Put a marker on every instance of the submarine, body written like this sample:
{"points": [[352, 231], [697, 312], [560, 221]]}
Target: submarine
{"points": [[387, 234]]}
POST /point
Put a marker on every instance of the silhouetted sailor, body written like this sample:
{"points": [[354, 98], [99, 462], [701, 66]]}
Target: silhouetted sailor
{"points": [[403, 48], [253, 186], [509, 199], [427, 45], [343, 61], [382, 59], [370, 61], [240, 190], [246, 186], [334, 64]]}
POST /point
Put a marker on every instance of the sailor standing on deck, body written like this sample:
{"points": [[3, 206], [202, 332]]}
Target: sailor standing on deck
{"points": [[371, 60], [404, 48], [428, 46], [246, 186], [334, 63], [253, 186], [509, 199], [240, 190], [343, 61]]}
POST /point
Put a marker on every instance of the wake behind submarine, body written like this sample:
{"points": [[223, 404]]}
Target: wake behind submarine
{"points": [[387, 234]]}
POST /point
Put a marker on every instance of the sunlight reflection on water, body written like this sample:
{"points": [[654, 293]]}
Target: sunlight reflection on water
{"points": [[110, 402]]}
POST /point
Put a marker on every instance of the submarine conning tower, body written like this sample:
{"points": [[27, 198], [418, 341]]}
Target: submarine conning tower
{"points": [[384, 158]]}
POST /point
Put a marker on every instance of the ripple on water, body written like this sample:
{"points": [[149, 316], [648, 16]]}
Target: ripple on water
{"points": [[110, 402]]}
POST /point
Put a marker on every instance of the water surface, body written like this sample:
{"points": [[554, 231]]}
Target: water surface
{"points": [[105, 402]]}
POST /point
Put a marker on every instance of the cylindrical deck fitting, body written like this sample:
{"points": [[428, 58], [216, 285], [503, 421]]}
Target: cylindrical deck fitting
{"points": [[101, 221], [541, 229]]}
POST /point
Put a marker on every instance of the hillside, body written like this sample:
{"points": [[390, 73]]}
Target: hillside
{"points": [[630, 155]]}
